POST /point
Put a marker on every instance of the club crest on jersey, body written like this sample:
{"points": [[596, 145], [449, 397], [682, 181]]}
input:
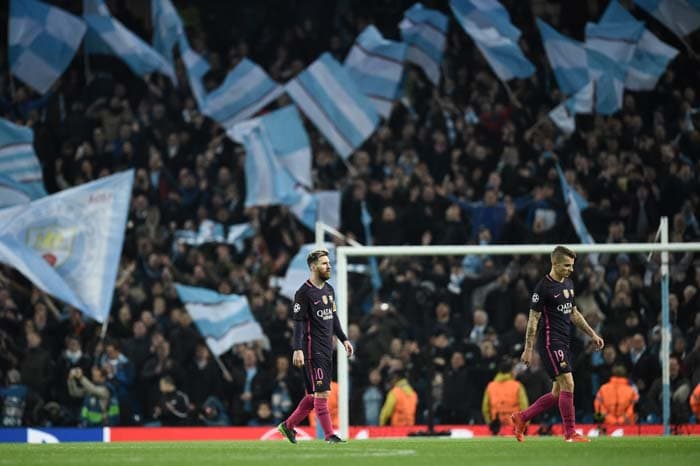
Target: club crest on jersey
{"points": [[325, 299], [566, 293], [563, 364], [572, 292]]}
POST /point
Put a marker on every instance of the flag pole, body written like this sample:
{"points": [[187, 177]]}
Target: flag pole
{"points": [[514, 100]]}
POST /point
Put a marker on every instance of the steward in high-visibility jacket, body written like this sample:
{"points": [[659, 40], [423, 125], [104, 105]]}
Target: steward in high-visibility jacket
{"points": [[400, 405], [615, 400], [503, 395]]}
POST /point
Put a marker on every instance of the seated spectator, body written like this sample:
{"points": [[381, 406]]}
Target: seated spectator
{"points": [[615, 401], [680, 391]]}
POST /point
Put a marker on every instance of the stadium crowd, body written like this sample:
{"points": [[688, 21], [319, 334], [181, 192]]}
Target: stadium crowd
{"points": [[461, 163]]}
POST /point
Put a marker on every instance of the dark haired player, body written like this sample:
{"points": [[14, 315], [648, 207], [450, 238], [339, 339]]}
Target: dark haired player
{"points": [[315, 323], [553, 300]]}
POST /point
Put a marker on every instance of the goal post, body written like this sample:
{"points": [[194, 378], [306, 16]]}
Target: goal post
{"points": [[343, 253]]}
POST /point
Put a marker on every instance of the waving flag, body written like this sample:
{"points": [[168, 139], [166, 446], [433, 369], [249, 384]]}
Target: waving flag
{"points": [[567, 57], [609, 77], [321, 206], [246, 90], [223, 320], [106, 35], [20, 172], [366, 219], [196, 67], [564, 114], [42, 42], [488, 24], [651, 56], [425, 32], [680, 16], [167, 28], [575, 204], [333, 102], [214, 232], [79, 233], [376, 65], [298, 270], [278, 157]]}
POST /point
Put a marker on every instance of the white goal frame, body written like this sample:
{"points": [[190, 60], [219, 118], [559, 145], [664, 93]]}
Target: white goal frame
{"points": [[342, 291]]}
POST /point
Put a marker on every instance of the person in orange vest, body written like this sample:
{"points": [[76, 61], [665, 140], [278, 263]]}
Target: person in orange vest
{"points": [[695, 402], [615, 400], [503, 395], [400, 404]]}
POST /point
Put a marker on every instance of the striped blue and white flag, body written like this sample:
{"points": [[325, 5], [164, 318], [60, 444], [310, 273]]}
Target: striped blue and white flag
{"points": [[680, 16], [567, 57], [19, 165], [366, 219], [425, 32], [327, 94], [376, 64], [616, 40], [195, 67], [321, 206], [223, 320], [42, 41], [106, 35], [609, 76], [488, 24], [278, 157], [575, 204], [564, 114], [245, 91], [167, 28], [651, 55], [69, 244], [298, 270], [214, 232]]}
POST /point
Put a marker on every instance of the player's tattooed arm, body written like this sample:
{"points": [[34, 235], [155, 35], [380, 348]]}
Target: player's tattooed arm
{"points": [[531, 331], [578, 320]]}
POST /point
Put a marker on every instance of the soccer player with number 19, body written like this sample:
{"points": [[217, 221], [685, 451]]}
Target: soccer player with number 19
{"points": [[315, 323], [553, 299]]}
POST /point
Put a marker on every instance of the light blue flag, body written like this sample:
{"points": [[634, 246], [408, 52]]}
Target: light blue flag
{"points": [[488, 24], [223, 320], [575, 204], [651, 56], [196, 67], [609, 77], [20, 171], [42, 41], [214, 232], [366, 219], [564, 114], [278, 157], [327, 94], [298, 270], [106, 35], [321, 206], [244, 92], [376, 65], [567, 57], [425, 32], [167, 28], [680, 16], [79, 233]]}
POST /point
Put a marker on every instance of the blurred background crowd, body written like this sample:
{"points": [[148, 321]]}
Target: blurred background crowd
{"points": [[460, 163]]}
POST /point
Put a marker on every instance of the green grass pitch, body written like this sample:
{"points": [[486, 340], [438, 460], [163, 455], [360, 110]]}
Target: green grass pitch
{"points": [[639, 451]]}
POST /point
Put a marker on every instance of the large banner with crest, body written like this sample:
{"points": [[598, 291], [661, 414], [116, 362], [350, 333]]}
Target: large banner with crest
{"points": [[69, 244]]}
